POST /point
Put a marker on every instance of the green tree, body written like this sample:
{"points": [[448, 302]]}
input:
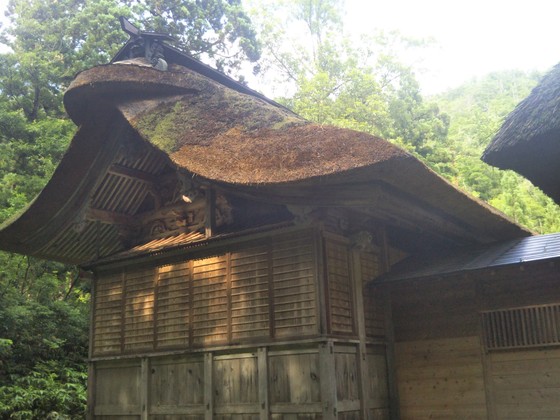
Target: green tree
{"points": [[477, 110], [51, 41], [337, 81], [44, 305]]}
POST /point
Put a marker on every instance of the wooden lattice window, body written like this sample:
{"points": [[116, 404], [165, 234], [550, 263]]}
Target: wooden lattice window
{"points": [[523, 327]]}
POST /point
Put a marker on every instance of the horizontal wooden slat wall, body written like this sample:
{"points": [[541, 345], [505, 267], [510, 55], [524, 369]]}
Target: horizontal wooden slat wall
{"points": [[439, 365], [250, 284], [107, 314], [521, 305], [294, 294], [525, 384], [509, 287], [260, 292], [435, 308], [442, 378], [374, 316], [173, 311], [340, 300], [139, 310], [210, 301]]}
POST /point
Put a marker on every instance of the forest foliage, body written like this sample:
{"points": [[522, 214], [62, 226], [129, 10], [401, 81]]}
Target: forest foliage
{"points": [[320, 73]]}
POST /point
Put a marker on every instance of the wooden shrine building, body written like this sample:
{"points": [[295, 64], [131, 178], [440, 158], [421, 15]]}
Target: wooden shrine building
{"points": [[245, 260]]}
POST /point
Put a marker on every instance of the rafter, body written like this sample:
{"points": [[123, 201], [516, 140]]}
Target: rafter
{"points": [[110, 217], [132, 173]]}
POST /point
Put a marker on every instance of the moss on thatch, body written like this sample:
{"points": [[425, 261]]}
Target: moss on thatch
{"points": [[196, 119], [279, 155]]}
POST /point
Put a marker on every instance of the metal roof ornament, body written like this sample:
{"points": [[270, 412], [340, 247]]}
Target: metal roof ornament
{"points": [[148, 45]]}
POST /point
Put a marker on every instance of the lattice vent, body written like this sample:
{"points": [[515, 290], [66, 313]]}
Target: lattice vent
{"points": [[525, 327]]}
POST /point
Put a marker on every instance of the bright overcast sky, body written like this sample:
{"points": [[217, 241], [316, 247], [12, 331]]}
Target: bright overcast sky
{"points": [[474, 37]]}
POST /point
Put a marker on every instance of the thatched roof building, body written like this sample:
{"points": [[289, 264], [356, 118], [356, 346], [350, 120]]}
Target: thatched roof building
{"points": [[529, 140], [148, 136], [230, 243]]}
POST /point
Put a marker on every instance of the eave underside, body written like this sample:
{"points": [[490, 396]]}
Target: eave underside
{"points": [[536, 159]]}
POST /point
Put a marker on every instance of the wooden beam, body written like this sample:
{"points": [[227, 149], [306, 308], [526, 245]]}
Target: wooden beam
{"points": [[110, 217], [394, 401], [131, 173], [262, 363], [144, 388], [208, 387], [328, 380], [91, 365], [91, 392], [363, 371], [380, 201], [210, 219]]}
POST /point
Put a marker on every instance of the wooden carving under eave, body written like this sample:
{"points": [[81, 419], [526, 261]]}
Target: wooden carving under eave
{"points": [[187, 215], [166, 205]]}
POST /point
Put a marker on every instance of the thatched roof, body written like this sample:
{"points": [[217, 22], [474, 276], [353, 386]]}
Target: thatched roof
{"points": [[231, 138], [221, 134], [529, 140]]}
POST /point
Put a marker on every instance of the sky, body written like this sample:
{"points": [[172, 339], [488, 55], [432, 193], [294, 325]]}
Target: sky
{"points": [[473, 37]]}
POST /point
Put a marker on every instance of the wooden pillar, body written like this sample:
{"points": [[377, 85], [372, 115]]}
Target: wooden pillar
{"points": [[91, 366], [394, 403], [262, 362], [321, 279], [363, 371], [482, 304], [210, 218], [144, 387], [328, 380], [208, 394], [90, 392]]}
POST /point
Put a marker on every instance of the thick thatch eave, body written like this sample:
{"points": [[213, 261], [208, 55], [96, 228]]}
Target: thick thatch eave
{"points": [[221, 134], [135, 119], [529, 140]]}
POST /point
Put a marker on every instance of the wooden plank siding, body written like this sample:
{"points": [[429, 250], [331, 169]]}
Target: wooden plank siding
{"points": [[239, 335], [438, 361], [525, 384], [341, 307], [300, 380], [447, 363], [257, 293], [371, 267]]}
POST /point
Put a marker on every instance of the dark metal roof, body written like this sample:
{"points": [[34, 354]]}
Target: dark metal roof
{"points": [[517, 251]]}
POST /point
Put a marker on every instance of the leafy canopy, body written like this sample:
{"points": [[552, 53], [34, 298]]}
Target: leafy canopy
{"points": [[51, 41]]}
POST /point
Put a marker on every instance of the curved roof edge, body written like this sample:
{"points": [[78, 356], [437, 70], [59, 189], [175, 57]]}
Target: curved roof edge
{"points": [[236, 140], [528, 141]]}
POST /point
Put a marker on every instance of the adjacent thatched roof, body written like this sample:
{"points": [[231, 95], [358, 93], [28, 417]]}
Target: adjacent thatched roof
{"points": [[529, 140], [240, 141]]}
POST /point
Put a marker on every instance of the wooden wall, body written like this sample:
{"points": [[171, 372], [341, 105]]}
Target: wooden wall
{"points": [[316, 381], [259, 292], [525, 382], [437, 351], [276, 328], [443, 367]]}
